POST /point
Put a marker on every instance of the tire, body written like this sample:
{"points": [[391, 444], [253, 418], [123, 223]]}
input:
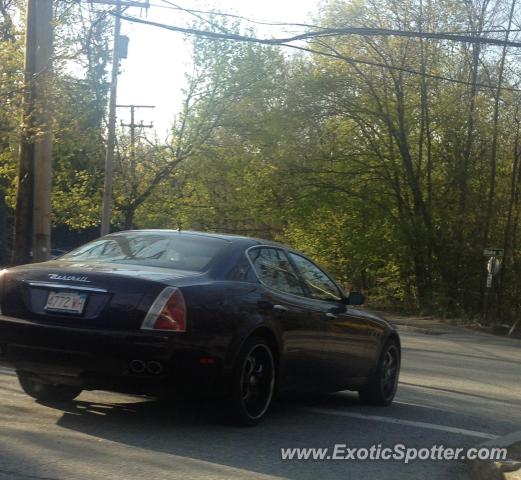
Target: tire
{"points": [[46, 392], [253, 382], [382, 387]]}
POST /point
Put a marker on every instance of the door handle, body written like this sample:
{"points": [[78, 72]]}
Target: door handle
{"points": [[330, 315], [280, 308]]}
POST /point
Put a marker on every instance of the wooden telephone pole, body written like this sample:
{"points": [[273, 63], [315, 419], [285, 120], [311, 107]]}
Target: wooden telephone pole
{"points": [[111, 134], [32, 225], [32, 229], [134, 126]]}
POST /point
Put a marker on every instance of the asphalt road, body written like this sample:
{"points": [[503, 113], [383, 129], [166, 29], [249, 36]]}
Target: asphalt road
{"points": [[458, 388]]}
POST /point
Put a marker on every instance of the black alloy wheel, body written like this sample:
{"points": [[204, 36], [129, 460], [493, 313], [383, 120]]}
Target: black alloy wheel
{"points": [[383, 385], [254, 381]]}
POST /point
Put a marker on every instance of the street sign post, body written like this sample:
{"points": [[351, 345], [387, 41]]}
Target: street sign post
{"points": [[493, 268]]}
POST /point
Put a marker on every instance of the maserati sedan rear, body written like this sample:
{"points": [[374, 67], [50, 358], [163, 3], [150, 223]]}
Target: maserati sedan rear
{"points": [[159, 311]]}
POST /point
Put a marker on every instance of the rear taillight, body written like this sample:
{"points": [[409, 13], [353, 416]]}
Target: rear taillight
{"points": [[168, 312]]}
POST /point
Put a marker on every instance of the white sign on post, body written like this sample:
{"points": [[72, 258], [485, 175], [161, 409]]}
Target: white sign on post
{"points": [[493, 265]]}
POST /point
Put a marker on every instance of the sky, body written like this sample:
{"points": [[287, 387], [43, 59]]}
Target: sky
{"points": [[154, 72]]}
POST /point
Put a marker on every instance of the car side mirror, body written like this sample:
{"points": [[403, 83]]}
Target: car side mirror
{"points": [[355, 298]]}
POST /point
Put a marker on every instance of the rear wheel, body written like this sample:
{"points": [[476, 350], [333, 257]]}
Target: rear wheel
{"points": [[46, 392], [253, 382], [382, 387]]}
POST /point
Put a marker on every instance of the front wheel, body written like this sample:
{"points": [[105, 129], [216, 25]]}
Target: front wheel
{"points": [[46, 392], [253, 382], [382, 387]]}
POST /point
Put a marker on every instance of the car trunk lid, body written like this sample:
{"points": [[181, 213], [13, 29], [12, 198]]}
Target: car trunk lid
{"points": [[86, 295]]}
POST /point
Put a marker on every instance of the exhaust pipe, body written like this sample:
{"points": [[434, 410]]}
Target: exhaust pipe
{"points": [[154, 368], [137, 366]]}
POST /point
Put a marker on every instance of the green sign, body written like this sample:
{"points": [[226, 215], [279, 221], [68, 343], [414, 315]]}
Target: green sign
{"points": [[493, 252]]}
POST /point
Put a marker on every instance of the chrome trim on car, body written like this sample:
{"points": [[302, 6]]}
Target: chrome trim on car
{"points": [[74, 278], [65, 286]]}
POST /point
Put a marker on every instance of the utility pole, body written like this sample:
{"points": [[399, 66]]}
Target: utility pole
{"points": [[32, 225], [133, 126], [32, 229], [111, 135]]}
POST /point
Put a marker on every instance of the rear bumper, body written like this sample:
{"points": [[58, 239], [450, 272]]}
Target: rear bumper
{"points": [[102, 359]]}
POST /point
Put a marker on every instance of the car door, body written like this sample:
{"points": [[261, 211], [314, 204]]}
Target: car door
{"points": [[346, 352], [284, 300]]}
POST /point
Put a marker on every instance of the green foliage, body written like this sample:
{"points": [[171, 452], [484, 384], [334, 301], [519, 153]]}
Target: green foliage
{"points": [[377, 172], [384, 175]]}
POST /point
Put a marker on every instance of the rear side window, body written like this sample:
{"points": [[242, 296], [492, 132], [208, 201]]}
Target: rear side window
{"points": [[166, 250], [242, 271], [320, 285], [274, 270]]}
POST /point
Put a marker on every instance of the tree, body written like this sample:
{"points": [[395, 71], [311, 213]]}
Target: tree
{"points": [[11, 82]]}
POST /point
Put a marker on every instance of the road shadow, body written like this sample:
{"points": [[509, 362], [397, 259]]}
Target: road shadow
{"points": [[198, 429]]}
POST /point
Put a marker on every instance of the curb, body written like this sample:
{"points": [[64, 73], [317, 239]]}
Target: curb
{"points": [[509, 469]]}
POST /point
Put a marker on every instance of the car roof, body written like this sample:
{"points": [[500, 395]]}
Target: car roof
{"points": [[242, 239]]}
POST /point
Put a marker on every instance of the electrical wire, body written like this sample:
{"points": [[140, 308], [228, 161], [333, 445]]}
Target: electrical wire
{"points": [[329, 32], [286, 43], [173, 6]]}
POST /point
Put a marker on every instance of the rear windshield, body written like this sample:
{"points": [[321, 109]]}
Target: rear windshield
{"points": [[177, 251]]}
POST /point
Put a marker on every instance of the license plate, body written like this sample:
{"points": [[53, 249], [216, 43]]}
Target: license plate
{"points": [[66, 302]]}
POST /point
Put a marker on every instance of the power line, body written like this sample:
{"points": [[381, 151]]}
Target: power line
{"points": [[197, 15], [328, 32], [123, 3], [339, 56], [498, 30], [172, 6], [451, 35], [282, 43]]}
